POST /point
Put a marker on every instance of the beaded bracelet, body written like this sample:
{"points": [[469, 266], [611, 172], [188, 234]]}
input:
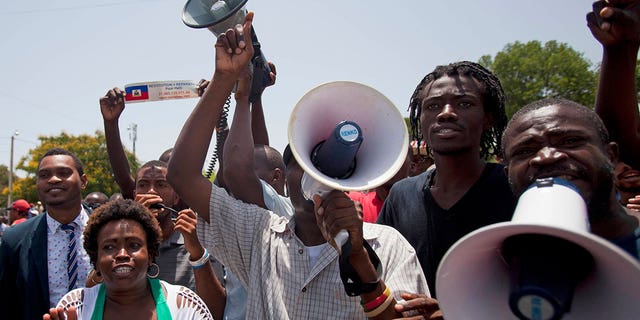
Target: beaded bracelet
{"points": [[379, 309], [202, 261], [377, 301]]}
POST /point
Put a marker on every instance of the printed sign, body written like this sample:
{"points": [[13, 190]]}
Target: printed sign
{"points": [[160, 90]]}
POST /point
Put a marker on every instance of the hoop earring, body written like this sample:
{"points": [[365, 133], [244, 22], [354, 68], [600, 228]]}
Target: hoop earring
{"points": [[94, 279], [153, 270]]}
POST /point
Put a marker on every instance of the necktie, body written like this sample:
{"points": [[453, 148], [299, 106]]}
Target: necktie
{"points": [[72, 255]]}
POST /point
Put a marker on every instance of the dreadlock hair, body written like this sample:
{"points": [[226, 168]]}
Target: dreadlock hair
{"points": [[493, 103]]}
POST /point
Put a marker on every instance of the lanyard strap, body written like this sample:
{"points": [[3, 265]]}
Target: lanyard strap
{"points": [[162, 309]]}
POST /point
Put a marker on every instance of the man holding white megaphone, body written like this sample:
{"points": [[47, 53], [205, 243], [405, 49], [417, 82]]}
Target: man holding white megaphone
{"points": [[286, 265]]}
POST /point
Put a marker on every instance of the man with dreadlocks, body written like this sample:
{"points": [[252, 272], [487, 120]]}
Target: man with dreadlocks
{"points": [[459, 110]]}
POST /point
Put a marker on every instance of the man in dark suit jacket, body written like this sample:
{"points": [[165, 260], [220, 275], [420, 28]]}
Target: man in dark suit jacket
{"points": [[33, 266]]}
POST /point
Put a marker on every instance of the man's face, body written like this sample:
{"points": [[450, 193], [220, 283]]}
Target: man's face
{"points": [[153, 180], [557, 141], [294, 187], [58, 182], [627, 178], [452, 115], [13, 215]]}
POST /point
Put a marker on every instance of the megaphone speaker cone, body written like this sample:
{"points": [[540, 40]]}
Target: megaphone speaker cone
{"points": [[384, 133], [477, 275], [218, 16]]}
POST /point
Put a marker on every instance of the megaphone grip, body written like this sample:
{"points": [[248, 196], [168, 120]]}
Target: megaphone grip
{"points": [[341, 238]]}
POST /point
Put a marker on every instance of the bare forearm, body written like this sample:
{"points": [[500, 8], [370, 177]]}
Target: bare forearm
{"points": [[210, 290], [616, 100], [258, 124], [239, 158], [367, 273], [118, 159], [192, 144]]}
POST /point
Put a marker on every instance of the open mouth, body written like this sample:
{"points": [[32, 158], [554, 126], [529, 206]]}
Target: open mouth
{"points": [[123, 270]]}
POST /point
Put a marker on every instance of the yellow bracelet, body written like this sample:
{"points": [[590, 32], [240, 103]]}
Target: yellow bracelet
{"points": [[375, 312]]}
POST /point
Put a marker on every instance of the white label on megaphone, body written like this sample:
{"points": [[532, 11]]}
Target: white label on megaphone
{"points": [[349, 132], [160, 90]]}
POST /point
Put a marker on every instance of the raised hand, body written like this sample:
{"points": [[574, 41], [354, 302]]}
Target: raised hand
{"points": [[202, 86], [234, 49], [112, 104], [615, 22]]}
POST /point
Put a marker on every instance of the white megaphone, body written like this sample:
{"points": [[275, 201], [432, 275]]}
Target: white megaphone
{"points": [[543, 264], [220, 15], [346, 136]]}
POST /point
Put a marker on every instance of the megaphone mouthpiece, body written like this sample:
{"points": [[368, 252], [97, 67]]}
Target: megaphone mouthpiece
{"points": [[336, 156]]}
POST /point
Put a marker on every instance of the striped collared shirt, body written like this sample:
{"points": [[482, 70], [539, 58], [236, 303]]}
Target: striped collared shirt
{"points": [[262, 250]]}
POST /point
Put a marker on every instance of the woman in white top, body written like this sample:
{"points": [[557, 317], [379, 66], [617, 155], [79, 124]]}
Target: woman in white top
{"points": [[122, 240]]}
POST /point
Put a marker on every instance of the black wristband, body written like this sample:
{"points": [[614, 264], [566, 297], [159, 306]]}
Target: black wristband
{"points": [[352, 283]]}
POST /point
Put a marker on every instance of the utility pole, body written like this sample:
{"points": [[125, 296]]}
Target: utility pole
{"points": [[133, 135], [13, 137]]}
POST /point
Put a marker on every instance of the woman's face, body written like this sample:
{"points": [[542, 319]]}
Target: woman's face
{"points": [[123, 258]]}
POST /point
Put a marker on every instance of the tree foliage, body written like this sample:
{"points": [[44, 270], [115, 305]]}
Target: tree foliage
{"points": [[4, 184], [90, 149], [530, 71]]}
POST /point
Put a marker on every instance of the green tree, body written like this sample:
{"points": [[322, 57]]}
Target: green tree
{"points": [[90, 149], [4, 184], [530, 71]]}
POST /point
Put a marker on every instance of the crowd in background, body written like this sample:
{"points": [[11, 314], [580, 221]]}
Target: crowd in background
{"points": [[251, 244]]}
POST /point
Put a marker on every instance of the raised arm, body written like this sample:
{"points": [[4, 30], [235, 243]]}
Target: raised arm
{"points": [[616, 25], [238, 157], [185, 168], [247, 129], [258, 124], [111, 107]]}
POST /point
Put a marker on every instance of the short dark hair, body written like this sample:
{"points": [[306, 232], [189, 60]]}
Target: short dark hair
{"points": [[153, 163], [117, 210], [269, 157], [494, 102], [150, 164], [584, 111], [59, 151]]}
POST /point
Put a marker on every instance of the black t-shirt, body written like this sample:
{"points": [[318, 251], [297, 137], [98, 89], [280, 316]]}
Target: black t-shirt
{"points": [[432, 230]]}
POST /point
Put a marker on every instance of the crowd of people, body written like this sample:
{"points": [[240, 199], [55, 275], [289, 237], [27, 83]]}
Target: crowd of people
{"points": [[249, 245]]}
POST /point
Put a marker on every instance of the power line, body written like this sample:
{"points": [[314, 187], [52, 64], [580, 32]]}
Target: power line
{"points": [[80, 7], [56, 112]]}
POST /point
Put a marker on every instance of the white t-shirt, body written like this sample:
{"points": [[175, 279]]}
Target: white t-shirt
{"points": [[280, 205]]}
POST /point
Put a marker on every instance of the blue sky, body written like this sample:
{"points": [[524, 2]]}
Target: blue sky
{"points": [[58, 57]]}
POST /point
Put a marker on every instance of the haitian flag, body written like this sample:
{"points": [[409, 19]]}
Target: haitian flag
{"points": [[136, 93]]}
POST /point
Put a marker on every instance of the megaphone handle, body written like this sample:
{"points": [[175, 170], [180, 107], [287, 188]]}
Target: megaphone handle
{"points": [[341, 239]]}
